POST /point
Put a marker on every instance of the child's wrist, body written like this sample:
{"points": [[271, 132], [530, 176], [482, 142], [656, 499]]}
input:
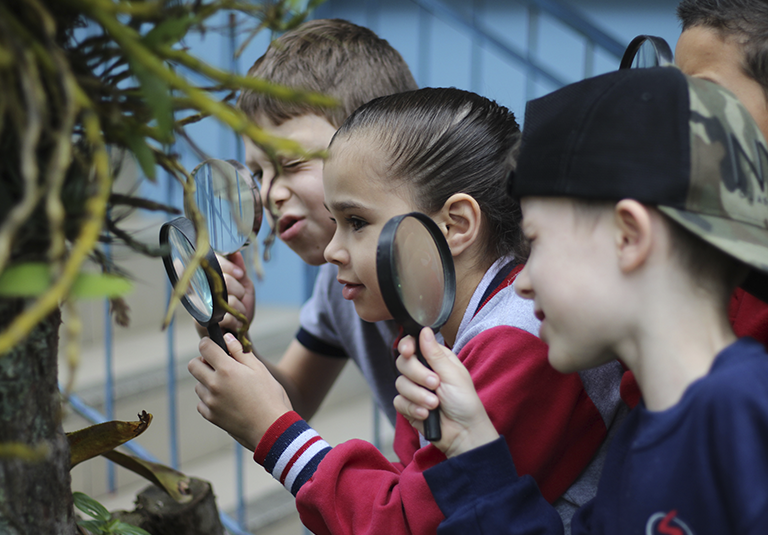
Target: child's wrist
{"points": [[473, 437]]}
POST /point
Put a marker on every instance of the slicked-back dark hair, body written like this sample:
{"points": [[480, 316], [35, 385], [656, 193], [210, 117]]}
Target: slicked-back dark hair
{"points": [[330, 56], [744, 20], [443, 141]]}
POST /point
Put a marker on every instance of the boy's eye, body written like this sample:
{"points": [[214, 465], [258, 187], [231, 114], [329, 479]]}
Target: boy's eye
{"points": [[257, 175], [294, 165]]}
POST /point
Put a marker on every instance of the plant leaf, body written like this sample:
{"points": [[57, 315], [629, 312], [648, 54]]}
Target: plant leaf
{"points": [[144, 155], [34, 278], [91, 507], [127, 529], [157, 94], [169, 32], [97, 439], [95, 285], [93, 526], [25, 280], [173, 482]]}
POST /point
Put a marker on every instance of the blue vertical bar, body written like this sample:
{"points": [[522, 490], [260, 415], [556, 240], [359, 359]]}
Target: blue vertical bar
{"points": [[173, 439], [425, 34], [173, 419], [589, 58], [239, 465], [533, 43], [476, 67], [109, 382]]}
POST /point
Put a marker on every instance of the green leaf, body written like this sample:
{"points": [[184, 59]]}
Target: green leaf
{"points": [[94, 526], [31, 279], [126, 529], [143, 153], [25, 280], [96, 285], [91, 507], [169, 32], [157, 95]]}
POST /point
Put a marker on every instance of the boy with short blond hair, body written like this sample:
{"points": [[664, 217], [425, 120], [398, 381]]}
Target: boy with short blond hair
{"points": [[353, 65], [643, 195]]}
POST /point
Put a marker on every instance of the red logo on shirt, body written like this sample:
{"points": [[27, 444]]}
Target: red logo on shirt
{"points": [[666, 524]]}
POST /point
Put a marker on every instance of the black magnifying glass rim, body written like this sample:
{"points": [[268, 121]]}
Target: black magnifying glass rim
{"points": [[258, 206], [187, 229], [664, 54], [386, 268]]}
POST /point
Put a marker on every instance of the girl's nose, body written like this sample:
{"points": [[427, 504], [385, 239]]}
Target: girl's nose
{"points": [[334, 252], [523, 284]]}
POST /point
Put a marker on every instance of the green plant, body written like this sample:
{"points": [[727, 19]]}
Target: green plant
{"points": [[102, 519], [68, 99]]}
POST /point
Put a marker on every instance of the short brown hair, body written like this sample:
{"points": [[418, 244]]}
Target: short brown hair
{"points": [[744, 20], [330, 56]]}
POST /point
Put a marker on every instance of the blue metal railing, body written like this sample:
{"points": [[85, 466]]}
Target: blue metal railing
{"points": [[482, 37]]}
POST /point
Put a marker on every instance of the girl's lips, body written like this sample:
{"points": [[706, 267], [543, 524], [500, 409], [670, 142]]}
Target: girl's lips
{"points": [[351, 291], [290, 227], [539, 314]]}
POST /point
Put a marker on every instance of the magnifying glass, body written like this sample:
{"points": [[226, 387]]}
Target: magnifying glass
{"points": [[417, 281], [230, 203], [646, 51], [179, 235]]}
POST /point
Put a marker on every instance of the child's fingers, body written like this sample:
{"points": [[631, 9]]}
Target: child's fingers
{"points": [[415, 414], [441, 359], [212, 354], [407, 346], [228, 267], [416, 372], [238, 260], [235, 349], [234, 288], [415, 393]]}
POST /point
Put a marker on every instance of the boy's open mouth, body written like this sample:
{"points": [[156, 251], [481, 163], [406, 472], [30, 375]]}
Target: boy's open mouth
{"points": [[285, 225]]}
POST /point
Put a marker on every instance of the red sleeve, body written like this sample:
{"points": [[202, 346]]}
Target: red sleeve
{"points": [[749, 316], [551, 426]]}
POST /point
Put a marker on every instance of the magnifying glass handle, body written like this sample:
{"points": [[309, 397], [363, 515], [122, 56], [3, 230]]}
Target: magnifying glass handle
{"points": [[432, 423], [214, 332]]}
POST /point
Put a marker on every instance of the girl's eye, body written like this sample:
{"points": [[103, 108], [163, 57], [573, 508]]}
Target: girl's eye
{"points": [[356, 223], [257, 176]]}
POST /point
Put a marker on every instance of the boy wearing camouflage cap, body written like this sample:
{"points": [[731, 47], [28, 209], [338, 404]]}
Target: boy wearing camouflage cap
{"points": [[643, 196]]}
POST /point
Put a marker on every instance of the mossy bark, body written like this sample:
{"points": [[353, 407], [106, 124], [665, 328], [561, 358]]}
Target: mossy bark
{"points": [[35, 497]]}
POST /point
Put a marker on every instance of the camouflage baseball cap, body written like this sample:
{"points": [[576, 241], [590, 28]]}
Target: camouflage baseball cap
{"points": [[682, 144]]}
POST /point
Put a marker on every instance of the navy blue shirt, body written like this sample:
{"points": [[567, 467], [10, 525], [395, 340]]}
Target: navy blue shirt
{"points": [[699, 467]]}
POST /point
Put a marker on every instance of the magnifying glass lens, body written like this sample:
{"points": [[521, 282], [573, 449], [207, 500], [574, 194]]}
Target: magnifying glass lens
{"points": [[418, 271], [225, 196], [199, 294]]}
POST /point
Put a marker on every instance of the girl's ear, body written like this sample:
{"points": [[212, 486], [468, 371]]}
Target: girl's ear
{"points": [[634, 233], [459, 219]]}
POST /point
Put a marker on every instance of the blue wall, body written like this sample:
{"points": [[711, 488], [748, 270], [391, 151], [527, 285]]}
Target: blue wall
{"points": [[440, 54]]}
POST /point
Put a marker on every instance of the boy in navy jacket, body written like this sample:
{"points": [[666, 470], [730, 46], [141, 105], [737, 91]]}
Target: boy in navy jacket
{"points": [[643, 197]]}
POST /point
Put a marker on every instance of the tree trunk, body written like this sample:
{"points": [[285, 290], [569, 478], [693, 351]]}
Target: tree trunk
{"points": [[35, 497]]}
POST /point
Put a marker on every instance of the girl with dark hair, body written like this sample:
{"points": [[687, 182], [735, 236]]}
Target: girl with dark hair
{"points": [[446, 153]]}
